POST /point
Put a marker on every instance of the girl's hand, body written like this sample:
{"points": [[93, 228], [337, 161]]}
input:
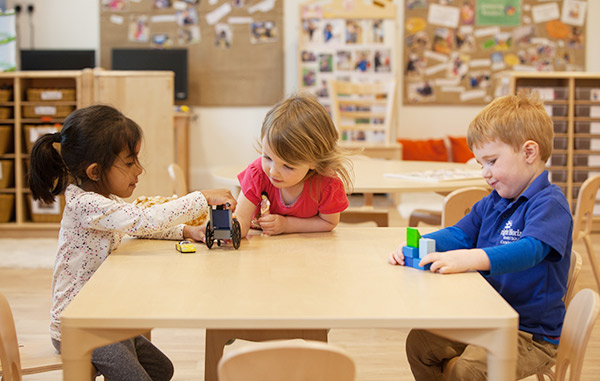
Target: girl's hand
{"points": [[220, 197], [457, 261], [194, 232], [273, 224], [396, 257]]}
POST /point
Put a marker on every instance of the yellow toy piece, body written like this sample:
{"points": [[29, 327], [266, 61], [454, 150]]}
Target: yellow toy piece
{"points": [[185, 247]]}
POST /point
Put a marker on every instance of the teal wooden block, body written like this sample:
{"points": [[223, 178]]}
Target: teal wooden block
{"points": [[426, 246], [412, 237]]}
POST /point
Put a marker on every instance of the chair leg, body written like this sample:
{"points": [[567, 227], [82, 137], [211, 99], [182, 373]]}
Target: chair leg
{"points": [[590, 249]]}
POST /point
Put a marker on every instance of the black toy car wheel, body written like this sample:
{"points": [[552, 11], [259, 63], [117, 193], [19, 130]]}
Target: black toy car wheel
{"points": [[236, 234], [209, 236]]}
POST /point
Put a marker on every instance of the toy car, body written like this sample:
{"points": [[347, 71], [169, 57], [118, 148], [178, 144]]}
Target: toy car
{"points": [[185, 247], [222, 225]]}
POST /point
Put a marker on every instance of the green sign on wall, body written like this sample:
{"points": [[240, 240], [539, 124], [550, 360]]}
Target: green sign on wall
{"points": [[498, 12]]}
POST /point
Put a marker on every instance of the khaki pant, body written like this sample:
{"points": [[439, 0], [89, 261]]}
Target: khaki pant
{"points": [[427, 353]]}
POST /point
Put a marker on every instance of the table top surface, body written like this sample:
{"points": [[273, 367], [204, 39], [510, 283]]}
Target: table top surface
{"points": [[339, 279], [369, 176]]}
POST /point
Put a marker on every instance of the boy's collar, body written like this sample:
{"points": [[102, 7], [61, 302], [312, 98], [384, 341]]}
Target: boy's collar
{"points": [[536, 186]]}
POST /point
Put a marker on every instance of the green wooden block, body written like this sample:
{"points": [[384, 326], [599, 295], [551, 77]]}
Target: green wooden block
{"points": [[412, 237]]}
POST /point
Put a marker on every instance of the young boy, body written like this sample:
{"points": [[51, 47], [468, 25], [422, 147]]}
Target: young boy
{"points": [[518, 237]]}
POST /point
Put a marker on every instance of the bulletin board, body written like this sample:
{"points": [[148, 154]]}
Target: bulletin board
{"points": [[459, 52], [235, 48], [346, 40]]}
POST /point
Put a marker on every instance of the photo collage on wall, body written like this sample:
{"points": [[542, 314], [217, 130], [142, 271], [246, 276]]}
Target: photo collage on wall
{"points": [[153, 21], [344, 49], [460, 51]]}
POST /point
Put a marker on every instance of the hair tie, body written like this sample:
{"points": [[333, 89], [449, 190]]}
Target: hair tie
{"points": [[57, 137]]}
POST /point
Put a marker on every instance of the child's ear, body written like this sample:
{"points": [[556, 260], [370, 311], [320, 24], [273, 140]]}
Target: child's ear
{"points": [[531, 150], [93, 172]]}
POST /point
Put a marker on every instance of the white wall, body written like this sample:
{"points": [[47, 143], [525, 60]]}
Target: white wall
{"points": [[226, 135]]}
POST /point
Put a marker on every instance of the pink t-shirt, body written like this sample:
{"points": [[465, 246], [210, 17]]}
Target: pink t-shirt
{"points": [[320, 194]]}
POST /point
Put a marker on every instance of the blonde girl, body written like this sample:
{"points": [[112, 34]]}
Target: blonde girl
{"points": [[302, 169]]}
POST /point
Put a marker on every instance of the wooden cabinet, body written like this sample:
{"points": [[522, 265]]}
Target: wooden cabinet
{"points": [[39, 101], [573, 101]]}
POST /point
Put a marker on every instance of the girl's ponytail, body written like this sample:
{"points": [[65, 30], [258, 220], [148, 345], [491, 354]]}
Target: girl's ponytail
{"points": [[48, 175]]}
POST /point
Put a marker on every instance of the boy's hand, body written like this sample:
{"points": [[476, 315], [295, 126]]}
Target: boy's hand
{"points": [[194, 232], [396, 257], [273, 224], [457, 261], [220, 197]]}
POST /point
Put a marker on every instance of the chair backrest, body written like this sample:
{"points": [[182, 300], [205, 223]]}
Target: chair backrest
{"points": [[290, 360], [582, 219], [576, 263], [459, 202], [577, 328], [363, 112], [179, 185], [9, 347]]}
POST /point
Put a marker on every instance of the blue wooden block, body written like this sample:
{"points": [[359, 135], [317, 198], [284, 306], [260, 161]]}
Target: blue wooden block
{"points": [[426, 246], [411, 252], [408, 261]]}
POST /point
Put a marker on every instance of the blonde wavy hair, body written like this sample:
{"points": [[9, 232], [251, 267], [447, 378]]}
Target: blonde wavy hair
{"points": [[513, 119], [299, 130]]}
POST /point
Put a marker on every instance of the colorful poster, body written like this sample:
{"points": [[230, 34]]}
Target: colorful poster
{"points": [[498, 12]]}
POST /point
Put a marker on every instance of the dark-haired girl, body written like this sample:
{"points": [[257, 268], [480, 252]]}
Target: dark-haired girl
{"points": [[96, 167]]}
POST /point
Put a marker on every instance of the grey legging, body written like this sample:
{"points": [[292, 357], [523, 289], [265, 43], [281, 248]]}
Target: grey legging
{"points": [[135, 359]]}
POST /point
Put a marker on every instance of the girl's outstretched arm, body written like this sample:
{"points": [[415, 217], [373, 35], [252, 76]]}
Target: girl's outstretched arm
{"points": [[273, 224], [244, 212]]}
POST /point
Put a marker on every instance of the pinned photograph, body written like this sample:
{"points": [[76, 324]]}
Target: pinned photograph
{"points": [[362, 61], [308, 56], [263, 31], [464, 39], [309, 76], [188, 35], [161, 40], [344, 60], [309, 30], [443, 40], [415, 66], [326, 62], [479, 79], [223, 35], [354, 32], [420, 92], [333, 31], [382, 61], [139, 30], [162, 4], [376, 31], [417, 41], [114, 5], [188, 16]]}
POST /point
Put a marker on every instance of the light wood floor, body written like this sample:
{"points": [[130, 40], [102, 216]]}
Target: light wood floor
{"points": [[379, 353]]}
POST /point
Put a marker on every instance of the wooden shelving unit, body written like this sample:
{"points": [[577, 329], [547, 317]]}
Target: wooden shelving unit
{"points": [[146, 97], [573, 101]]}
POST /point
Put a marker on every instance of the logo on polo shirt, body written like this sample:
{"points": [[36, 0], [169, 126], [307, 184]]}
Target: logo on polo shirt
{"points": [[509, 235]]}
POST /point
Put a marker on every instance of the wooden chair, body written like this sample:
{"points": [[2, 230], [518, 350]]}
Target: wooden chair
{"points": [[363, 113], [34, 360], [583, 218], [577, 328], [178, 178], [290, 360], [456, 205], [574, 271]]}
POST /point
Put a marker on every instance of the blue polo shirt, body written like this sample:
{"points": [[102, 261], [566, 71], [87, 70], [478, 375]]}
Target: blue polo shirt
{"points": [[533, 285]]}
